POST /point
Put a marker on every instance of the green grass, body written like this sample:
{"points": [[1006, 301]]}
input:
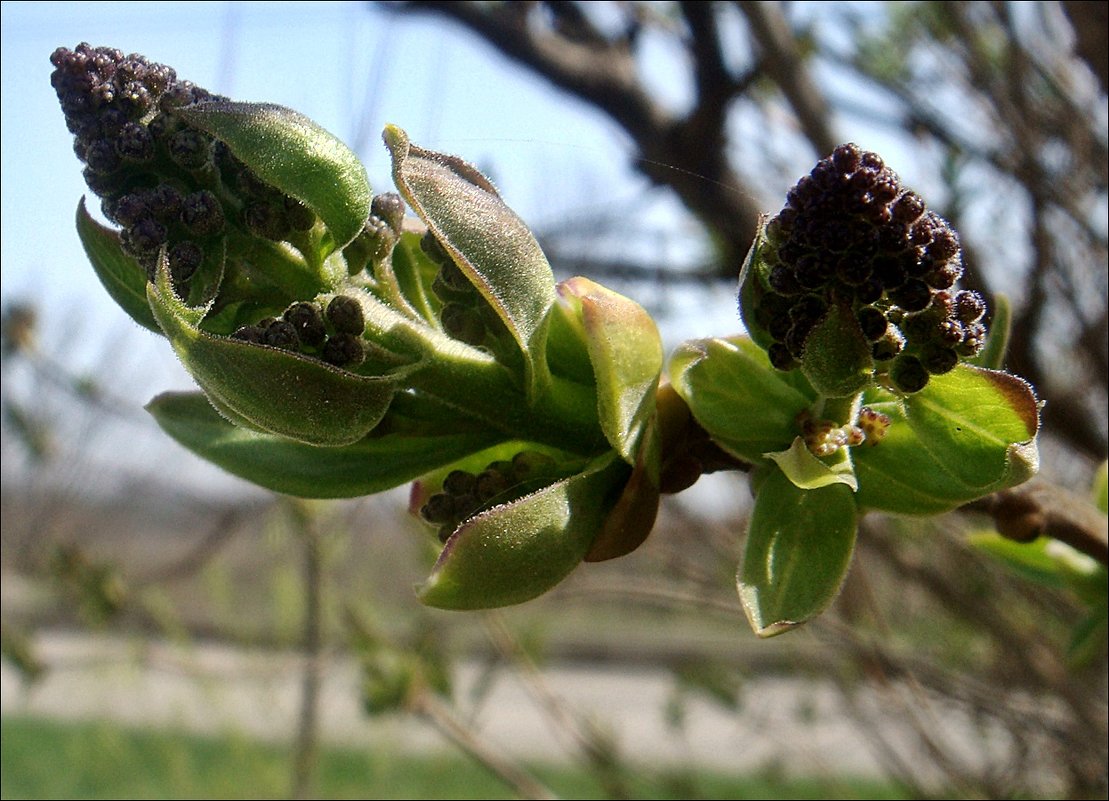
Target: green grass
{"points": [[43, 759]]}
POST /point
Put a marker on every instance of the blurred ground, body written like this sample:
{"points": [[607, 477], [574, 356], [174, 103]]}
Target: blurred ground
{"points": [[794, 726]]}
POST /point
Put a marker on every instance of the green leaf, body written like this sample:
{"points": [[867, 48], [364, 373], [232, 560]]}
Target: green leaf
{"points": [[626, 353], [808, 472], [295, 155], [372, 464], [485, 238], [268, 389], [837, 359], [515, 552], [799, 546], [121, 275], [747, 406], [968, 433]]}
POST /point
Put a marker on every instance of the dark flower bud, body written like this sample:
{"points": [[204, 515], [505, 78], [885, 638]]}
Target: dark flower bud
{"points": [[344, 350], [307, 319], [783, 281], [189, 149], [846, 157], [202, 214], [184, 259], [908, 208], [872, 322], [101, 156], [164, 202], [250, 333], [969, 306], [281, 334], [490, 484], [914, 295], [263, 220], [908, 374], [134, 143], [389, 207], [463, 323], [938, 360], [439, 509], [459, 482], [345, 315], [146, 236], [129, 209], [433, 250]]}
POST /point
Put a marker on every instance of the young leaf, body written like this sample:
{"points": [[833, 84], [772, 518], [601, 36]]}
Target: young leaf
{"points": [[268, 389], [294, 154], [747, 406], [968, 433], [515, 552], [626, 353], [372, 464], [799, 546], [808, 472], [121, 275], [837, 360], [485, 238]]}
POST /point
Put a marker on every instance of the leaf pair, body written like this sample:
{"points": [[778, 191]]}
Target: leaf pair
{"points": [[967, 434]]}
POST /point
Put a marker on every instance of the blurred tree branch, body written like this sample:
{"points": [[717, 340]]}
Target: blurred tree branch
{"points": [[686, 153], [978, 90]]}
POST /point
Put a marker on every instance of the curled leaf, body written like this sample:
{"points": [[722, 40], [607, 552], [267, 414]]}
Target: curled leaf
{"points": [[122, 276], [626, 353], [489, 243], [808, 472], [747, 406], [268, 389], [517, 551], [295, 155]]}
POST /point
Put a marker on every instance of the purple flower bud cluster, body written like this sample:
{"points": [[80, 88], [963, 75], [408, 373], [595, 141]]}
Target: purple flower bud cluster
{"points": [[464, 494], [333, 334], [851, 235], [163, 181]]}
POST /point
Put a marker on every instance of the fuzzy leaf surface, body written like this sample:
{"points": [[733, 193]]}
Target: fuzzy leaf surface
{"points": [[295, 155], [268, 389], [626, 353], [485, 238], [372, 464], [517, 551]]}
